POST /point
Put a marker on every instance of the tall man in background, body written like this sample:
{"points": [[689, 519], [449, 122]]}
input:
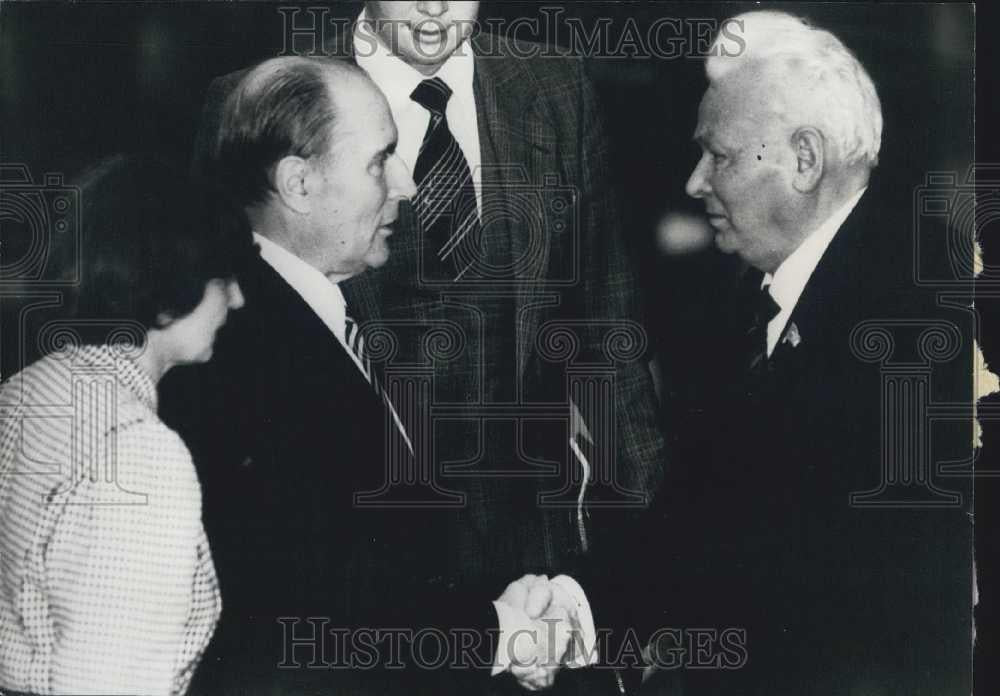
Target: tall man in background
{"points": [[515, 225]]}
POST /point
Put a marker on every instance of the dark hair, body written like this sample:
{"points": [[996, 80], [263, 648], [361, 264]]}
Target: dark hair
{"points": [[151, 239], [281, 107]]}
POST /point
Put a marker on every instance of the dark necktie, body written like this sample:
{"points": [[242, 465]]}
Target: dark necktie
{"points": [[764, 309], [445, 204]]}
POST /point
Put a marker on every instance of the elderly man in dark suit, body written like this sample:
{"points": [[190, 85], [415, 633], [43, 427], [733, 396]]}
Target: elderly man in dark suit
{"points": [[803, 514], [291, 424]]}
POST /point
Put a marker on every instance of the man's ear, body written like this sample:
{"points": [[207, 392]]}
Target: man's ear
{"points": [[808, 146], [163, 320], [290, 174]]}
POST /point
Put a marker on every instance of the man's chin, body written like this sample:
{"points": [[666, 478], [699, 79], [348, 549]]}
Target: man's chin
{"points": [[379, 256], [202, 357], [427, 59], [725, 242]]}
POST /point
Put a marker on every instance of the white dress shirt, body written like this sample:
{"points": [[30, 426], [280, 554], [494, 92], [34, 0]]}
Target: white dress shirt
{"points": [[790, 278], [397, 80], [324, 298]]}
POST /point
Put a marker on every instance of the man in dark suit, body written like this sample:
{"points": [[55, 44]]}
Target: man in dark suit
{"points": [[290, 425], [804, 516], [508, 305], [523, 275]]}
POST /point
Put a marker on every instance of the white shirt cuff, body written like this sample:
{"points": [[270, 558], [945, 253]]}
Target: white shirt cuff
{"points": [[510, 621], [584, 648]]}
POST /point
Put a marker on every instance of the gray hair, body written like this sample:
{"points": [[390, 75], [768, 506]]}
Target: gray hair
{"points": [[834, 91]]}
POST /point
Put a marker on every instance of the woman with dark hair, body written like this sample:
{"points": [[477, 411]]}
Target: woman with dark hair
{"points": [[106, 580]]}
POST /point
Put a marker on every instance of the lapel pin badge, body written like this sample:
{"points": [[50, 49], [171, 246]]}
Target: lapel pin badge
{"points": [[792, 336]]}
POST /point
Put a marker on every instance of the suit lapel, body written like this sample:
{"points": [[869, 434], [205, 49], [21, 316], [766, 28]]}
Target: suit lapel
{"points": [[299, 338], [363, 296], [823, 313]]}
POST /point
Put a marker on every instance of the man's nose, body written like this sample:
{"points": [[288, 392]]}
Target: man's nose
{"points": [[432, 9], [400, 181], [697, 184], [235, 293]]}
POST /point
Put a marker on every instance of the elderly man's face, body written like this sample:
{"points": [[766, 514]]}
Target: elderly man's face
{"points": [[423, 34], [359, 185], [745, 172]]}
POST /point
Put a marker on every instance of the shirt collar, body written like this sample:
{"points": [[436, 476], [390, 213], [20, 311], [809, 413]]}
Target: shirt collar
{"points": [[790, 278], [129, 374], [396, 78], [323, 297]]}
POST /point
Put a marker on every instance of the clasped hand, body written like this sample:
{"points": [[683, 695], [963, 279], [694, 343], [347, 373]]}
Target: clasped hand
{"points": [[547, 628]]}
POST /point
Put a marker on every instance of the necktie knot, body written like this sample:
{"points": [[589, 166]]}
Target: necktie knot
{"points": [[765, 308], [433, 95]]}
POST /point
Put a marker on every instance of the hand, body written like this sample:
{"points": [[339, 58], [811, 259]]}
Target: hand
{"points": [[546, 618], [569, 628], [545, 647], [531, 594]]}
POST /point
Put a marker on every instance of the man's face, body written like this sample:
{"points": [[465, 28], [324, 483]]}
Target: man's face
{"points": [[359, 184], [423, 34], [744, 174]]}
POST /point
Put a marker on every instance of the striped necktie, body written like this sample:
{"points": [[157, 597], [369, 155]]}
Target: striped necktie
{"points": [[355, 340], [445, 202]]}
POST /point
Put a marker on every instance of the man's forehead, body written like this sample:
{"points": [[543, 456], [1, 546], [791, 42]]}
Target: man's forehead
{"points": [[365, 131], [711, 114], [358, 101], [733, 105]]}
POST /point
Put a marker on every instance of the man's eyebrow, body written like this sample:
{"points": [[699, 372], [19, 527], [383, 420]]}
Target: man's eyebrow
{"points": [[384, 153]]}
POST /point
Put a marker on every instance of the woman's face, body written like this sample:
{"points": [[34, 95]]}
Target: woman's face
{"points": [[191, 337]]}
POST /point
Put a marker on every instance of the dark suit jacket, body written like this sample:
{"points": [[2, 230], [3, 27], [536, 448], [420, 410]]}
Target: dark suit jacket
{"points": [[285, 430], [756, 528]]}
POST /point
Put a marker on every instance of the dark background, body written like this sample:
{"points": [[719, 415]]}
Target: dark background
{"points": [[80, 81]]}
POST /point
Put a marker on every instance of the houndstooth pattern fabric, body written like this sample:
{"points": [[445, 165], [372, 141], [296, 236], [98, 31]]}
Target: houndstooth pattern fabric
{"points": [[106, 580]]}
